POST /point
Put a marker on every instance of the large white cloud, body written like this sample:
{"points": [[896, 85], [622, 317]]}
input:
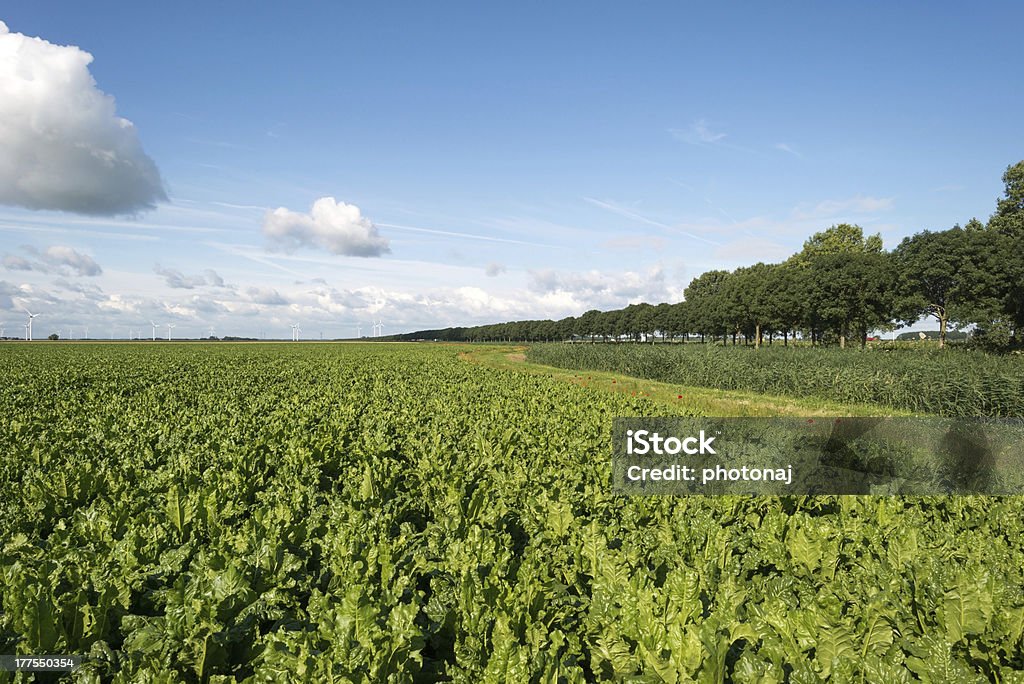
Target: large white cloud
{"points": [[335, 226], [62, 145]]}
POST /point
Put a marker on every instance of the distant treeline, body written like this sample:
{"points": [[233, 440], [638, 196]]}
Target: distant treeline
{"points": [[840, 286]]}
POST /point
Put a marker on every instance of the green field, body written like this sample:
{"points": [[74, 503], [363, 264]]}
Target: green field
{"points": [[398, 513], [947, 382]]}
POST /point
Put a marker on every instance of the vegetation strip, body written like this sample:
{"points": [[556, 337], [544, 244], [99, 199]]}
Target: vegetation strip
{"points": [[674, 397], [951, 382]]}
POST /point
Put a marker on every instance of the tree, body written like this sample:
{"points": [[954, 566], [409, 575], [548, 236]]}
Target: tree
{"points": [[934, 273], [851, 292], [585, 324], [745, 300], [1008, 222], [703, 293], [1008, 218], [784, 296], [841, 239], [664, 321]]}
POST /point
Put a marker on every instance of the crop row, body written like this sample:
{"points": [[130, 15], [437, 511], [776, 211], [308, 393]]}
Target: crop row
{"points": [[389, 513]]}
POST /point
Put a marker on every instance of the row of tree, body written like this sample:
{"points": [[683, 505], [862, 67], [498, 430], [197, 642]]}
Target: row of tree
{"points": [[841, 286]]}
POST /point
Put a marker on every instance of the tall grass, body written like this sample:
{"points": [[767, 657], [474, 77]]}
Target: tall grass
{"points": [[949, 382]]}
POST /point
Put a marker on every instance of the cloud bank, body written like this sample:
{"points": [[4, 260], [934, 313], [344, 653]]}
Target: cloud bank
{"points": [[338, 227], [62, 146]]}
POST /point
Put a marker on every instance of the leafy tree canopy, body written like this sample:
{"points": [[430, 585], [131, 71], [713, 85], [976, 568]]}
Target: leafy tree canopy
{"points": [[1009, 216], [844, 238]]}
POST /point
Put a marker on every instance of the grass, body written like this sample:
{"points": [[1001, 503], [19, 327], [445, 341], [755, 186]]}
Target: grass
{"points": [[702, 400]]}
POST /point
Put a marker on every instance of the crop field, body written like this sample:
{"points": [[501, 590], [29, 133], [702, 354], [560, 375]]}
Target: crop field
{"points": [[943, 382], [393, 513]]}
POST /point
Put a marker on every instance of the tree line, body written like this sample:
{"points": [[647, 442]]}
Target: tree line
{"points": [[840, 287]]}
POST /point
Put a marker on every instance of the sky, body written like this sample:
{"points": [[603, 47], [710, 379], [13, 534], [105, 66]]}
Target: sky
{"points": [[234, 169]]}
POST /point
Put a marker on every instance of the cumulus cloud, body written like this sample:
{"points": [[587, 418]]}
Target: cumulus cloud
{"points": [[179, 281], [62, 257], [597, 289], [338, 227], [213, 278], [264, 296], [62, 146], [54, 259], [16, 263], [494, 269]]}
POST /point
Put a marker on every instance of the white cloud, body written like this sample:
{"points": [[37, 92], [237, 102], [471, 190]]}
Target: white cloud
{"points": [[59, 259], [213, 278], [338, 227], [602, 290], [6, 291], [16, 263], [271, 307], [264, 296], [698, 133], [178, 280], [62, 146], [845, 207], [64, 257], [783, 147], [750, 250]]}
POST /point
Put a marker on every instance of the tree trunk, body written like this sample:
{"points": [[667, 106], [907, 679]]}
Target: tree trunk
{"points": [[757, 336], [942, 332]]}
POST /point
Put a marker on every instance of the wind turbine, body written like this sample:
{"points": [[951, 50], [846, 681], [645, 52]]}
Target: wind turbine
{"points": [[84, 338], [169, 326], [28, 335], [154, 329], [295, 332], [1, 329], [378, 328], [359, 331]]}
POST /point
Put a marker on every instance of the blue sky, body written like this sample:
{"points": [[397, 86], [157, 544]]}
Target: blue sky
{"points": [[506, 161]]}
